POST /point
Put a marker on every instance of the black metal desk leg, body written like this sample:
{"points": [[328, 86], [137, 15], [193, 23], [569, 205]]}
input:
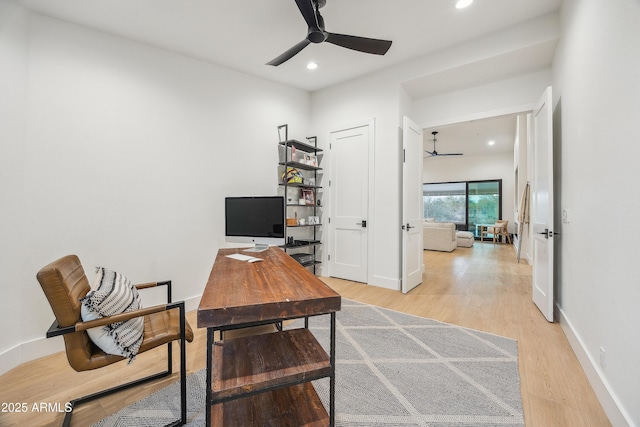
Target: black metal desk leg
{"points": [[207, 407], [332, 379]]}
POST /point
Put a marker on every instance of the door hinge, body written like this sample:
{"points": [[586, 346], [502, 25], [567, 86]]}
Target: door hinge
{"points": [[329, 257], [329, 220], [329, 183], [404, 156]]}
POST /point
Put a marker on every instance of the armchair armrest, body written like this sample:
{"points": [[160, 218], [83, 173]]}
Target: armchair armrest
{"points": [[148, 285], [55, 329]]}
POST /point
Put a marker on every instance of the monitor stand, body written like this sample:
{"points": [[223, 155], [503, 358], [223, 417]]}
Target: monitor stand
{"points": [[257, 248]]}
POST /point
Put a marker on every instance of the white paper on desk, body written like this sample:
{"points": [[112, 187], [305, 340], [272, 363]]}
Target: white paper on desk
{"points": [[240, 257]]}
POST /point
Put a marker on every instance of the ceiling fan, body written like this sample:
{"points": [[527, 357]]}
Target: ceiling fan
{"points": [[434, 153], [316, 33]]}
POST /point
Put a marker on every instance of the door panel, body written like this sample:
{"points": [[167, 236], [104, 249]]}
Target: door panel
{"points": [[542, 205], [349, 196], [411, 205]]}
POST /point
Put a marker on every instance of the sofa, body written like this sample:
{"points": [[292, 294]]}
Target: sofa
{"points": [[439, 236]]}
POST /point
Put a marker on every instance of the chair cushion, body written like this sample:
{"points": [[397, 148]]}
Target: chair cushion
{"points": [[113, 293]]}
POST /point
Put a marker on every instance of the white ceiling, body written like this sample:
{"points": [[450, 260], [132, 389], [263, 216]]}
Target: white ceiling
{"points": [[245, 34], [472, 138]]}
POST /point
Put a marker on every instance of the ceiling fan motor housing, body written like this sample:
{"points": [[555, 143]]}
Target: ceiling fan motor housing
{"points": [[316, 35]]}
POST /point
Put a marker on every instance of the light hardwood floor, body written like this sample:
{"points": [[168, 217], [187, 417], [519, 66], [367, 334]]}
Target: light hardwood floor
{"points": [[483, 288]]}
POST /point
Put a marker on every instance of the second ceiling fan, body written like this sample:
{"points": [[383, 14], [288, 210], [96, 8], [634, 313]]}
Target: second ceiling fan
{"points": [[434, 153], [316, 33]]}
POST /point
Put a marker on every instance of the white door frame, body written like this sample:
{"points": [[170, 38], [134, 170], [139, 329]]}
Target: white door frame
{"points": [[371, 220]]}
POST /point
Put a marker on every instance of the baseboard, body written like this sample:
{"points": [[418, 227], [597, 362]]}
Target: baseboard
{"points": [[385, 282], [611, 405], [40, 347], [29, 350]]}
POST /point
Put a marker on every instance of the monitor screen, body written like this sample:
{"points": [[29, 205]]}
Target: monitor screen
{"points": [[258, 220]]}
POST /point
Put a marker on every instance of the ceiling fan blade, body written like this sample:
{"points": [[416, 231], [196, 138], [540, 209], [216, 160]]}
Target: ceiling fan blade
{"points": [[289, 53], [432, 153], [450, 154], [308, 12], [361, 44]]}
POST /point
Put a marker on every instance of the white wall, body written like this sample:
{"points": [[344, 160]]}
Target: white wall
{"points": [[14, 22], [476, 168], [128, 153], [597, 98], [513, 95], [521, 160]]}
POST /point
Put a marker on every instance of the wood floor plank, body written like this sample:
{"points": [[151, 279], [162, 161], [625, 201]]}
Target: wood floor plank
{"points": [[481, 288]]}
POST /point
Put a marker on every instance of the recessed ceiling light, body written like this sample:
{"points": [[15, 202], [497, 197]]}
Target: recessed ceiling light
{"points": [[491, 142], [461, 4], [312, 66]]}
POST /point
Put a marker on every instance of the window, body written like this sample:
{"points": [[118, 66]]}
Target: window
{"points": [[464, 203], [445, 202]]}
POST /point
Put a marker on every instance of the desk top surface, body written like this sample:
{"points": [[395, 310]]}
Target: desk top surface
{"points": [[239, 292]]}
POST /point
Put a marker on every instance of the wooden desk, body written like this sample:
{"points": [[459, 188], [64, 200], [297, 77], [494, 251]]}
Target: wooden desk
{"points": [[257, 379]]}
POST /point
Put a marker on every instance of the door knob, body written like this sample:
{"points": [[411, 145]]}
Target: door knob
{"points": [[547, 233], [363, 224]]}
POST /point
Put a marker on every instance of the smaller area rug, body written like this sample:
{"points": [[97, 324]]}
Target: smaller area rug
{"points": [[392, 369]]}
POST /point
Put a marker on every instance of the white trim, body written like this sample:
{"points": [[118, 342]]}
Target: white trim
{"points": [[385, 282], [515, 109], [610, 403], [29, 350]]}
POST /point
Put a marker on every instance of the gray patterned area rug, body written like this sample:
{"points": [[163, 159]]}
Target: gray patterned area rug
{"points": [[392, 369]]}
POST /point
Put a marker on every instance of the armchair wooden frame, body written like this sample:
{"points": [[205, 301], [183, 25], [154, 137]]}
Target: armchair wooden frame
{"points": [[80, 326]]}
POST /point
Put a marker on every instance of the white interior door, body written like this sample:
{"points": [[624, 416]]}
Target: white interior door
{"points": [[411, 205], [542, 205], [349, 204]]}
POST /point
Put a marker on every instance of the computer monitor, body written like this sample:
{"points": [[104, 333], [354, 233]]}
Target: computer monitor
{"points": [[257, 220]]}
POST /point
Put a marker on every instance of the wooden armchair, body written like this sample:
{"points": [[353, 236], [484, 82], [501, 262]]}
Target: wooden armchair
{"points": [[64, 282], [500, 228]]}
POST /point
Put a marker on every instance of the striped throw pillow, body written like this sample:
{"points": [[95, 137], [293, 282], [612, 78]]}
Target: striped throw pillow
{"points": [[113, 293]]}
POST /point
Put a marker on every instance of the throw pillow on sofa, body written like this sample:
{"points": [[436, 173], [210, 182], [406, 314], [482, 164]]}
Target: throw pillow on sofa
{"points": [[113, 293]]}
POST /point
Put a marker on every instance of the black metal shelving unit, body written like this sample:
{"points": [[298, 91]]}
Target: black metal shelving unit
{"points": [[312, 242]]}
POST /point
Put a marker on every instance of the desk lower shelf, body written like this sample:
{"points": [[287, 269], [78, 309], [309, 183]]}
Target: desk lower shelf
{"points": [[263, 362], [294, 406]]}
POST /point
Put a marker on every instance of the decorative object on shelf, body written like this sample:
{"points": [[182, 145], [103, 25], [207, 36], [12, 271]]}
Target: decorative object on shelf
{"points": [[292, 222], [308, 196], [292, 176], [314, 220], [311, 160]]}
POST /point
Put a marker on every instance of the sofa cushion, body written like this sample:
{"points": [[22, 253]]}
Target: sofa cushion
{"points": [[465, 239]]}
